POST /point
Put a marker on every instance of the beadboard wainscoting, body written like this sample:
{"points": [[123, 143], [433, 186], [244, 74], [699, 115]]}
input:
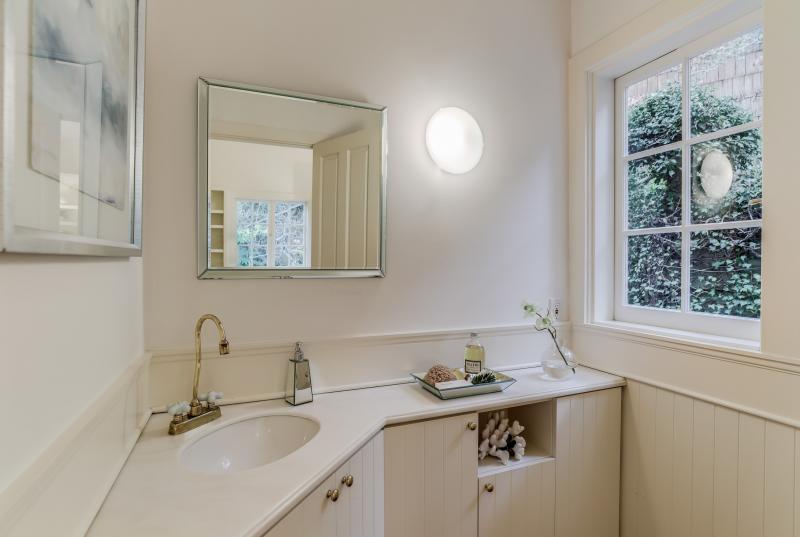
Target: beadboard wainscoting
{"points": [[691, 468], [255, 372], [62, 491]]}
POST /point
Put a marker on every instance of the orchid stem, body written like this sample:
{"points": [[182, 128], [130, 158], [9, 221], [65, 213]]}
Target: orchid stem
{"points": [[554, 335]]}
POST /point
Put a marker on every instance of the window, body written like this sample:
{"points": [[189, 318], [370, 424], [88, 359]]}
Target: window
{"points": [[271, 233], [689, 188]]}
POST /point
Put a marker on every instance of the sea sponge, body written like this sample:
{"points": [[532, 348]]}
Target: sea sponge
{"points": [[439, 373]]}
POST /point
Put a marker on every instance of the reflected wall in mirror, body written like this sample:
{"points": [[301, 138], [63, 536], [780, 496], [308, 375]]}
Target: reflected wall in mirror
{"points": [[289, 184]]}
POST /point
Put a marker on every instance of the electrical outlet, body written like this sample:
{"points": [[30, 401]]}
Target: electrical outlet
{"points": [[555, 307]]}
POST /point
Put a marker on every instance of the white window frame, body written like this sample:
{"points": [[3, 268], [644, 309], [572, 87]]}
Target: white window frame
{"points": [[271, 246], [683, 319]]}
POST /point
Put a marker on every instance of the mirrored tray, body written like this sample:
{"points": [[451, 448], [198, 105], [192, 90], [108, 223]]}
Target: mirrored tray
{"points": [[502, 382]]}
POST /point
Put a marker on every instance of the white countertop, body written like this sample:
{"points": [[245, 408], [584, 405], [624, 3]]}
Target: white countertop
{"points": [[155, 495]]}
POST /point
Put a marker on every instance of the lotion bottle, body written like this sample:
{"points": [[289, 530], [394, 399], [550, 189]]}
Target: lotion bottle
{"points": [[474, 355]]}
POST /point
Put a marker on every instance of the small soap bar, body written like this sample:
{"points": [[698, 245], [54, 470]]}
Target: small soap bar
{"points": [[452, 384]]}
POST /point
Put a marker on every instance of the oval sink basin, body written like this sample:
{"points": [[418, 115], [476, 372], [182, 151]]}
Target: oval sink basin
{"points": [[249, 443]]}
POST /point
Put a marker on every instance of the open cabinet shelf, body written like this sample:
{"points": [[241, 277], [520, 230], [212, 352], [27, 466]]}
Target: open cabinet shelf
{"points": [[491, 466], [216, 225], [539, 434]]}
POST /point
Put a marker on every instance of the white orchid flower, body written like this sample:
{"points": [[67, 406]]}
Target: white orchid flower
{"points": [[530, 309], [543, 323]]}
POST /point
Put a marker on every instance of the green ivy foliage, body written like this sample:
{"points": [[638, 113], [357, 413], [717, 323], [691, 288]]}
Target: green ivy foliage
{"points": [[725, 264]]}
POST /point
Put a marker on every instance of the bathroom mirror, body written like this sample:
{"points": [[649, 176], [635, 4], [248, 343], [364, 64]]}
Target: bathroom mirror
{"points": [[290, 185]]}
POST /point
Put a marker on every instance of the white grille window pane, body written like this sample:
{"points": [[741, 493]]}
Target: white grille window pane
{"points": [[726, 84], [654, 108], [654, 271], [252, 233], [689, 181], [654, 190], [726, 178], [726, 272], [290, 234]]}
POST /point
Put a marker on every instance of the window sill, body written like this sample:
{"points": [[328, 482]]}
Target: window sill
{"points": [[680, 336], [728, 349]]}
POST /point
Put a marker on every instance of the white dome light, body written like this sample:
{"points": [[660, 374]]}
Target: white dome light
{"points": [[716, 175], [454, 140]]}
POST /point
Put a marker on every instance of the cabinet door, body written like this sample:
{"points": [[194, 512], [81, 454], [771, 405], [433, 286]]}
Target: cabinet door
{"points": [[431, 470], [356, 513], [358, 508], [518, 503], [588, 434], [316, 515]]}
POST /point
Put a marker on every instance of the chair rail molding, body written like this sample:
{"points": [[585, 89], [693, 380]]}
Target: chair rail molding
{"points": [[754, 383]]}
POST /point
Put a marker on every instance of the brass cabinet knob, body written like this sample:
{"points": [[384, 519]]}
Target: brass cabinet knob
{"points": [[489, 487], [333, 494], [348, 480], [472, 425]]}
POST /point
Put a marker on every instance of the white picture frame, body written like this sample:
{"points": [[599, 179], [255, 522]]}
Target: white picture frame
{"points": [[72, 82]]}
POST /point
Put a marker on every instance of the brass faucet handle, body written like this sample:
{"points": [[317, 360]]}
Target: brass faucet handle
{"points": [[210, 397], [179, 410]]}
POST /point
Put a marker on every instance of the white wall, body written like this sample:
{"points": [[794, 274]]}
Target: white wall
{"points": [[781, 292], [592, 20], [240, 166], [69, 327], [462, 250]]}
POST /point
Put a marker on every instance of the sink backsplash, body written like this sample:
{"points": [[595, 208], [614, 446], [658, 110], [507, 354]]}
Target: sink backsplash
{"points": [[257, 372]]}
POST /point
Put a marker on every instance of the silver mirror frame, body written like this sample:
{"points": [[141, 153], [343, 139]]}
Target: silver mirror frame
{"points": [[26, 240], [244, 273]]}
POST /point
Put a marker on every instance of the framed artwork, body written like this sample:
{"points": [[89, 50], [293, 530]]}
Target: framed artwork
{"points": [[72, 116]]}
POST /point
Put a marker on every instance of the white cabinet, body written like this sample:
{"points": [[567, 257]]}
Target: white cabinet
{"points": [[345, 511], [519, 502], [567, 485], [588, 433], [431, 470], [422, 479], [575, 493]]}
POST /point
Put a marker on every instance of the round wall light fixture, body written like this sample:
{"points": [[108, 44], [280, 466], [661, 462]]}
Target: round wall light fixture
{"points": [[454, 140], [716, 174]]}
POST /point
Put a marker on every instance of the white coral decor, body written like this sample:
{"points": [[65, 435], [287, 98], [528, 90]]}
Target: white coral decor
{"points": [[501, 440]]}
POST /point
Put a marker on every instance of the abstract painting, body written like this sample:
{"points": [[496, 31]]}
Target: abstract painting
{"points": [[82, 83]]}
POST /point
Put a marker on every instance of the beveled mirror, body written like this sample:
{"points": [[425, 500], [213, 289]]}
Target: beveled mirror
{"points": [[290, 185]]}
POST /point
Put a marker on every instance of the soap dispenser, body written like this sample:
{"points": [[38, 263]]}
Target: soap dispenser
{"points": [[298, 378]]}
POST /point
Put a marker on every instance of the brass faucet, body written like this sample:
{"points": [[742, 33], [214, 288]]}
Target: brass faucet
{"points": [[200, 414]]}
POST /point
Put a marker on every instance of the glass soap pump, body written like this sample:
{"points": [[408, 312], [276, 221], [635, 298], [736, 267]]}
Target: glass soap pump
{"points": [[298, 378]]}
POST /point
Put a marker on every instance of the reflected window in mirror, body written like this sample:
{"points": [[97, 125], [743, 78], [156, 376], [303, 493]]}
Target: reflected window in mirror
{"points": [[271, 233], [252, 233]]}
